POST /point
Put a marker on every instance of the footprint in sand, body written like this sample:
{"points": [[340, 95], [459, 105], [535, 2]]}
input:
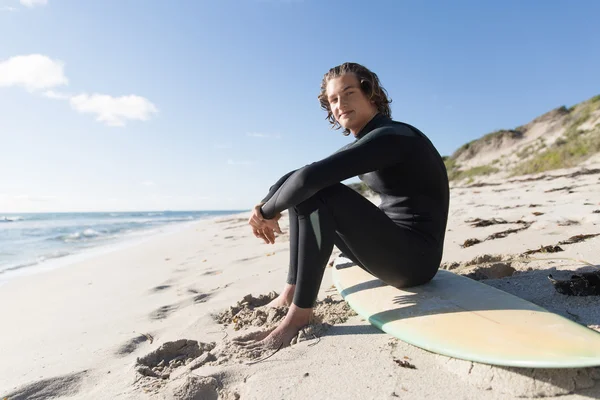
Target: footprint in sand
{"points": [[213, 272], [160, 288], [248, 259], [59, 386], [162, 312], [202, 298]]}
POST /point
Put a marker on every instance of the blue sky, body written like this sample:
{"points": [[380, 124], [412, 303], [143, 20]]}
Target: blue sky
{"points": [[196, 105]]}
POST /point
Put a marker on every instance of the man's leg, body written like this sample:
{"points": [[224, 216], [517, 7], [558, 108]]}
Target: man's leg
{"points": [[393, 254], [287, 294]]}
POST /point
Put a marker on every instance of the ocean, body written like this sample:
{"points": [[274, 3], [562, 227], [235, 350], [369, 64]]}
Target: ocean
{"points": [[31, 241]]}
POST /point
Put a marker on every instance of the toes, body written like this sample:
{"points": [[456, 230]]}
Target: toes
{"points": [[254, 336], [247, 345], [254, 346]]}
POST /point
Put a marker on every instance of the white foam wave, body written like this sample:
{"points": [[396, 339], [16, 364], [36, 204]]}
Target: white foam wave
{"points": [[91, 233], [88, 233], [56, 254], [10, 219]]}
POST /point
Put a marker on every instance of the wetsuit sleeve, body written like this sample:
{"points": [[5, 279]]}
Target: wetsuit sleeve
{"points": [[382, 149], [281, 180], [276, 186]]}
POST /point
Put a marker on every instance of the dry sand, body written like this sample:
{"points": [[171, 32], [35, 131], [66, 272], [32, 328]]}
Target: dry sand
{"points": [[156, 320]]}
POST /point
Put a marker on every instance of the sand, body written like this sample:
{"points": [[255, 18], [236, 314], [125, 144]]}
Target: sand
{"points": [[156, 320]]}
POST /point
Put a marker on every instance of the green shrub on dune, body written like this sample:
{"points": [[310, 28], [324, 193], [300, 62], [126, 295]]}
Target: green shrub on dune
{"points": [[564, 153], [573, 147]]}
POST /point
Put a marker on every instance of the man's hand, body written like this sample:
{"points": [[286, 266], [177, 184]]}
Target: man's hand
{"points": [[264, 228]]}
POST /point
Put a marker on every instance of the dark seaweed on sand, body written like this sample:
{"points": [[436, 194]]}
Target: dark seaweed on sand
{"points": [[569, 189], [545, 249], [585, 284], [478, 222], [470, 242], [578, 238], [404, 364], [503, 234]]}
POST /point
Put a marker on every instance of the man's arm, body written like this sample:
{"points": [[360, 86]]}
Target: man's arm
{"points": [[281, 180], [382, 149], [276, 186]]}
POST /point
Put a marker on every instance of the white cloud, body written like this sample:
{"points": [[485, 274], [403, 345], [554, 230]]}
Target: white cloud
{"points": [[148, 183], [263, 135], [51, 94], [114, 110], [34, 72], [8, 8], [232, 162], [33, 3]]}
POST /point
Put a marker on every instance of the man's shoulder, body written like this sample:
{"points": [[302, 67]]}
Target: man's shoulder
{"points": [[393, 127]]}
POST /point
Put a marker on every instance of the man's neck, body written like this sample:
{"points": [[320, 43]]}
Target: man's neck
{"points": [[355, 133]]}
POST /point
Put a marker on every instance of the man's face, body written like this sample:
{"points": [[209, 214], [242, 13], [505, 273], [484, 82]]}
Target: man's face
{"points": [[349, 105]]}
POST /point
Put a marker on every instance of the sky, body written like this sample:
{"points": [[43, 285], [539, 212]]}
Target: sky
{"points": [[122, 105]]}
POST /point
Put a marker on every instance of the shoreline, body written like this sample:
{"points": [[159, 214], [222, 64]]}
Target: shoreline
{"points": [[123, 242]]}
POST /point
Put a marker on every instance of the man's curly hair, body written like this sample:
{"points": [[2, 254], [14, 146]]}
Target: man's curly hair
{"points": [[369, 85]]}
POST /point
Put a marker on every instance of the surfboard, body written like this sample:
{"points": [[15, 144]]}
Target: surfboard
{"points": [[462, 318]]}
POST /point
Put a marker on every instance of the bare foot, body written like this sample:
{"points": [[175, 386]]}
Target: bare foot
{"points": [[285, 298], [296, 319], [279, 301]]}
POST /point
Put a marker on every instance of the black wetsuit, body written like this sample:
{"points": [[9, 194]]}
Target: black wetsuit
{"points": [[400, 242]]}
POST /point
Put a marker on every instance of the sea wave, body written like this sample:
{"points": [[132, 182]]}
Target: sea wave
{"points": [[82, 235], [4, 218]]}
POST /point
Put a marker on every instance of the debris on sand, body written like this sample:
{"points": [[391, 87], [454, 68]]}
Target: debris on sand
{"points": [[569, 189], [545, 249], [578, 238], [556, 248], [568, 222], [503, 234], [478, 222], [584, 284], [470, 242], [497, 235], [404, 364]]}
